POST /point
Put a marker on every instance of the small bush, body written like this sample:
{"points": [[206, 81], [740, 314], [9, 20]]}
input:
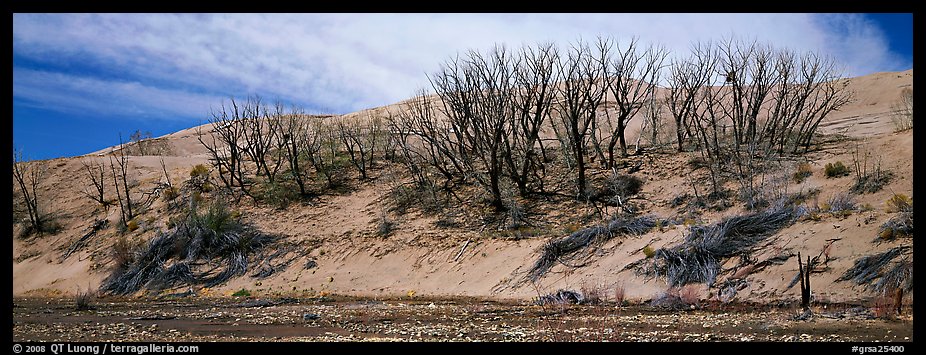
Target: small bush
{"points": [[83, 301], [834, 170], [242, 293], [594, 294], [900, 225], [124, 252], [199, 170], [624, 185], [697, 163], [840, 204], [803, 172], [620, 294], [903, 111], [131, 226], [171, 193], [385, 226], [899, 203], [873, 182], [649, 252]]}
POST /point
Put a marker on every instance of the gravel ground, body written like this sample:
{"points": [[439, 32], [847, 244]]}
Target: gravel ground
{"points": [[325, 319]]}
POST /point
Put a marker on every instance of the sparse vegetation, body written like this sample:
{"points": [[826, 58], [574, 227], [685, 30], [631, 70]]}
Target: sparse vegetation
{"points": [[869, 181], [903, 111], [242, 293], [83, 300], [385, 225], [899, 203], [868, 268], [698, 259], [211, 241], [835, 170], [27, 176], [803, 172], [567, 248]]}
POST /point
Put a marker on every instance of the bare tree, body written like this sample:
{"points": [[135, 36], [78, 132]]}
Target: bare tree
{"points": [[579, 95], [326, 161], [226, 132], [359, 136], [903, 111], [631, 77], [27, 177], [477, 99], [687, 78], [535, 80], [96, 171], [423, 140], [120, 176], [260, 137], [299, 146]]}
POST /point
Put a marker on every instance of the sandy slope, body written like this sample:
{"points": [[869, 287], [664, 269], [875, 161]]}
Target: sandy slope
{"points": [[340, 229]]}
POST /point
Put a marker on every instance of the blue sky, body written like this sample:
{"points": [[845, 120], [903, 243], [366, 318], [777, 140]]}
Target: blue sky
{"points": [[79, 80]]}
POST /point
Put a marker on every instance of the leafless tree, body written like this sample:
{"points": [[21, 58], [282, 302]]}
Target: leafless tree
{"points": [[27, 177], [423, 140], [632, 77], [771, 101], [96, 171], [476, 93], [903, 111], [326, 161], [121, 181], [359, 136], [260, 137], [299, 146], [687, 78], [580, 95], [535, 88], [226, 132]]}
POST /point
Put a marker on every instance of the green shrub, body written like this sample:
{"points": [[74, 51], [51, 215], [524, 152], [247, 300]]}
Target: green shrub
{"points": [[837, 169], [199, 170], [899, 203], [649, 252], [242, 293], [131, 226]]}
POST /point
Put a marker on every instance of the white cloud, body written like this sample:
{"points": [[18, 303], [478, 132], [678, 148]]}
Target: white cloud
{"points": [[345, 62], [90, 96]]}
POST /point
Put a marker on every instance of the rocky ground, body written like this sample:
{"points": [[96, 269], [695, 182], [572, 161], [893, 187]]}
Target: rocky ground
{"points": [[413, 319]]}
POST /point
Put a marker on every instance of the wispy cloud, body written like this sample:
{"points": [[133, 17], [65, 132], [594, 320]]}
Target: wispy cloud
{"points": [[167, 65], [90, 96]]}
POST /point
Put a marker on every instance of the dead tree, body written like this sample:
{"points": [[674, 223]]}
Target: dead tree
{"points": [[805, 281], [96, 171], [226, 132], [358, 136], [326, 160], [631, 78], [535, 80], [579, 96], [477, 99], [260, 137], [27, 177], [687, 79], [299, 146], [423, 140], [121, 181]]}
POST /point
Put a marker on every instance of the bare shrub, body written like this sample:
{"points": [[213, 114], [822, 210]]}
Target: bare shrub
{"points": [[593, 294], [568, 247], [903, 111], [83, 300], [620, 294], [802, 172]]}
